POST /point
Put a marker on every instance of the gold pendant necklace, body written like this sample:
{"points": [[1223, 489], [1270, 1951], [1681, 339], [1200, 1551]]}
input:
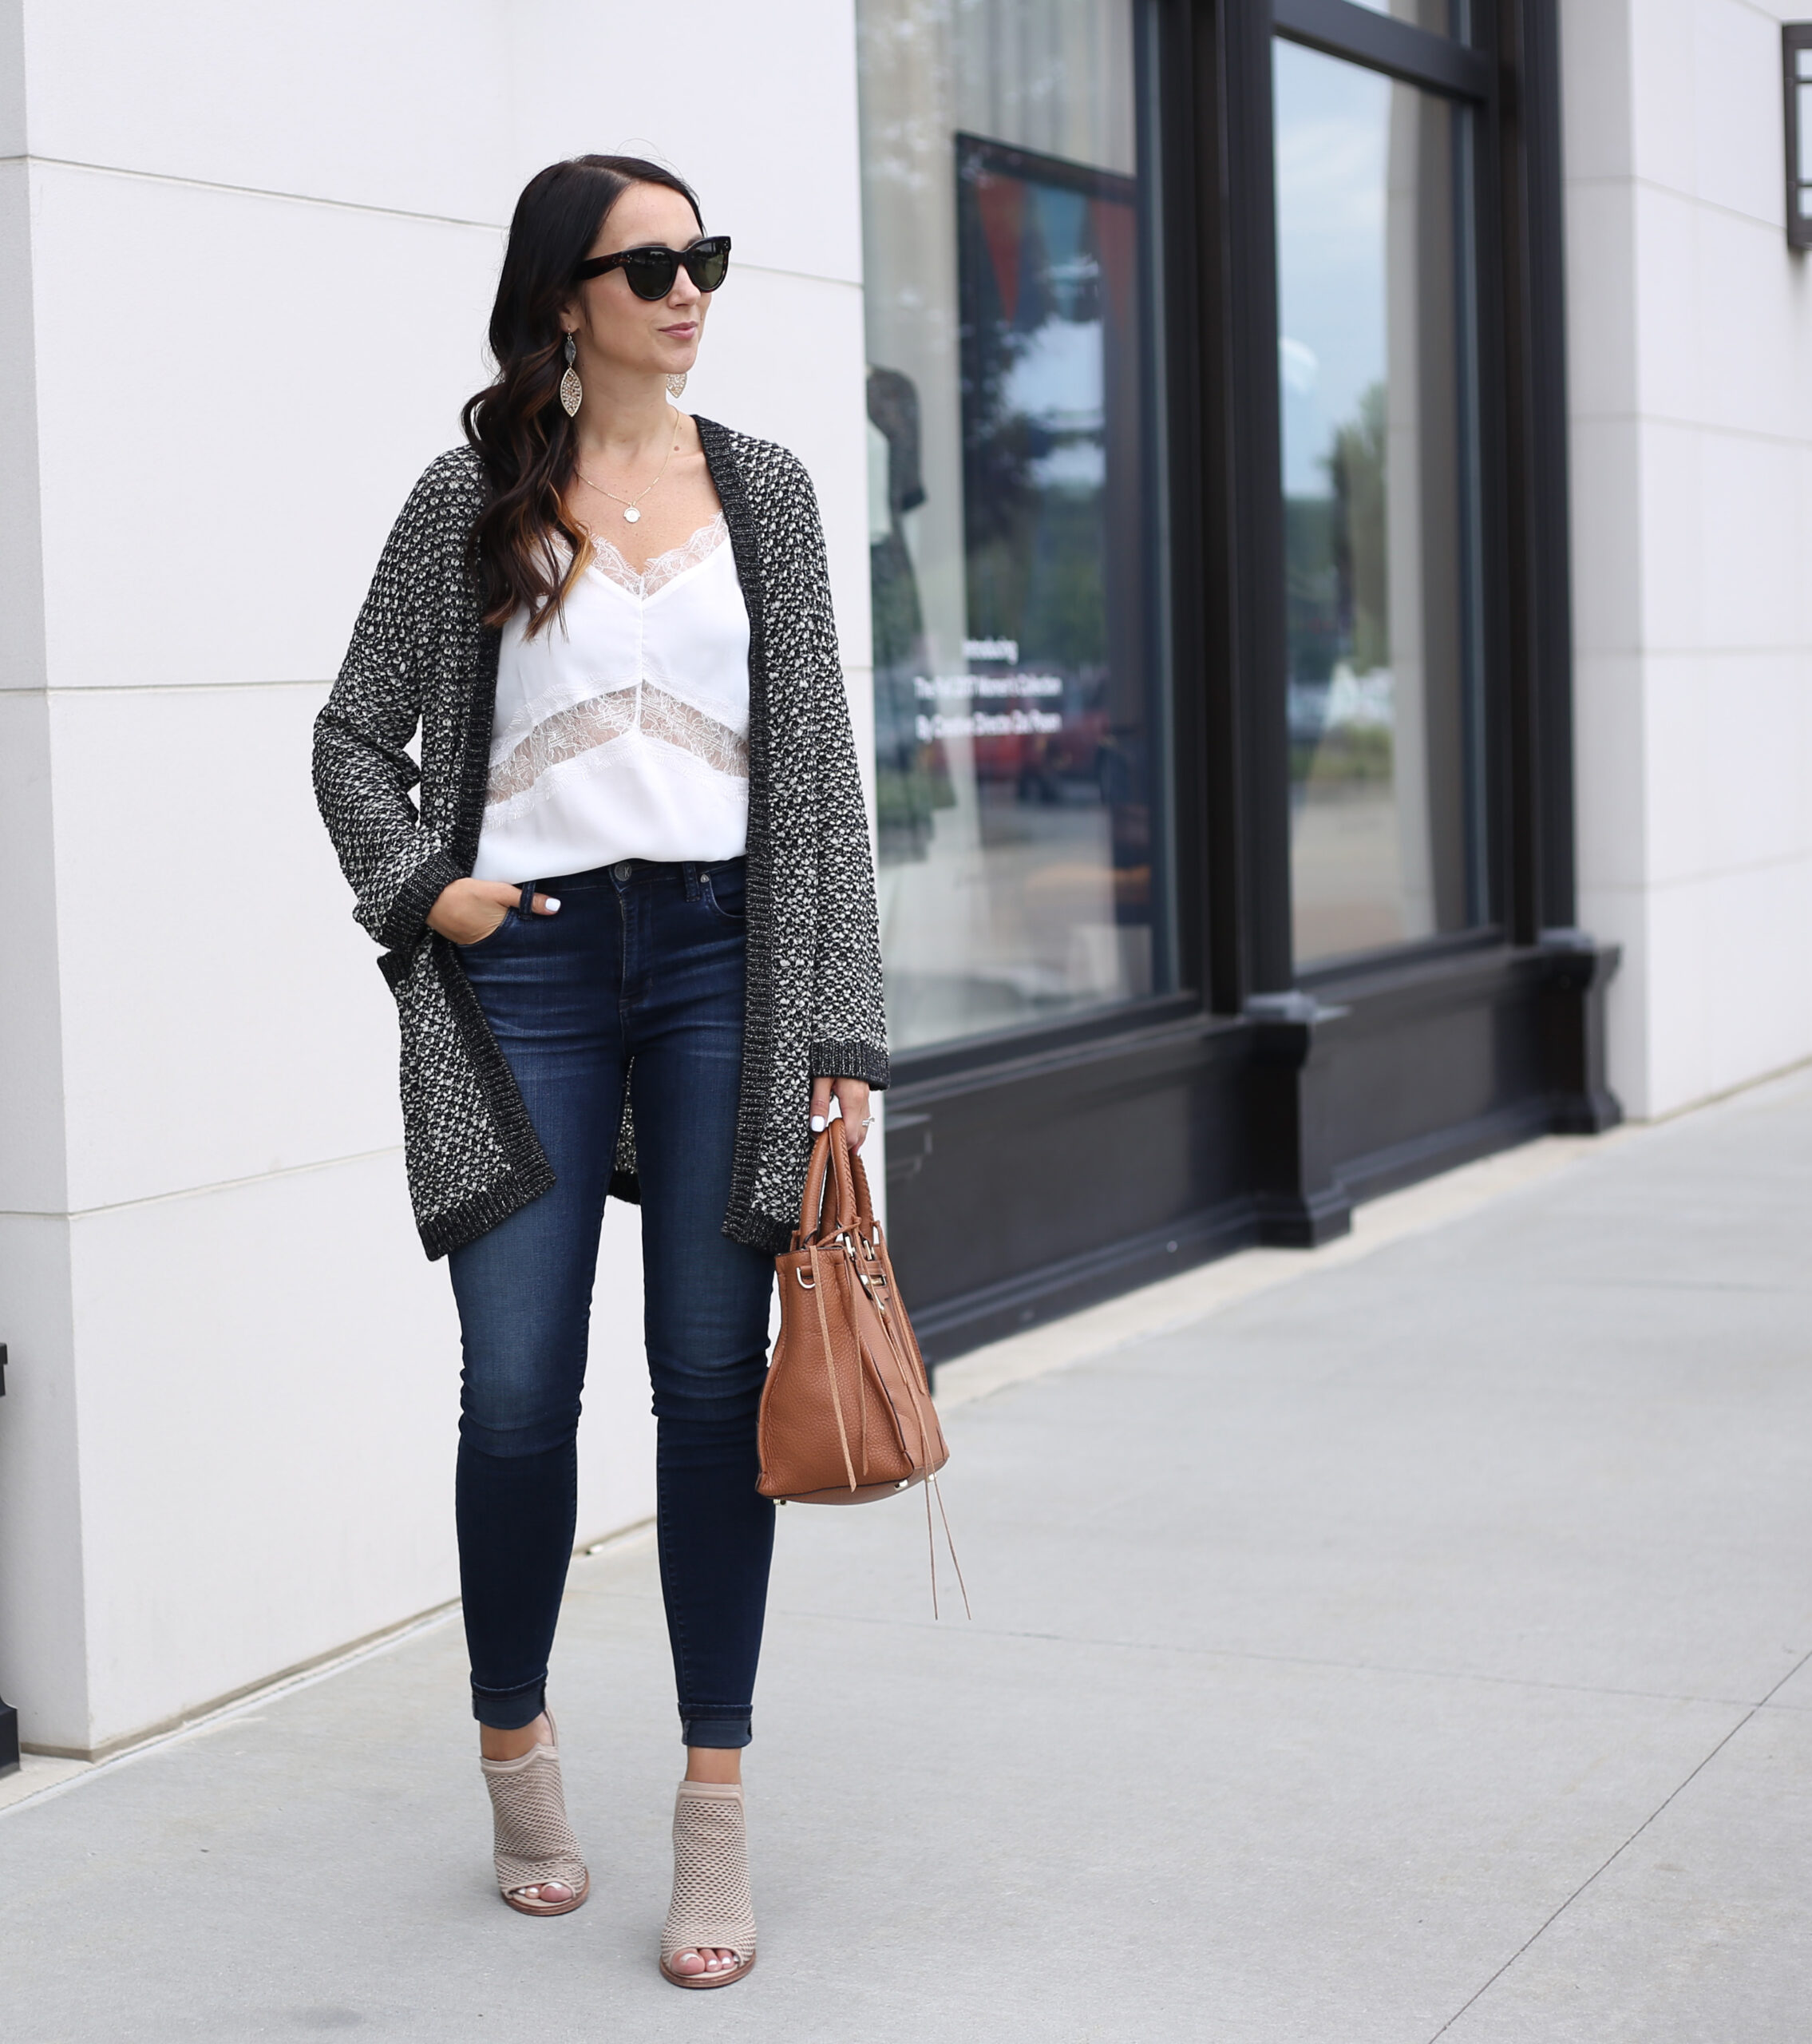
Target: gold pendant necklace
{"points": [[631, 515]]}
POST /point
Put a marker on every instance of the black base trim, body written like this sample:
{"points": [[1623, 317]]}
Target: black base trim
{"points": [[1444, 1149], [1288, 1221], [949, 1329], [1023, 1189], [8, 1739]]}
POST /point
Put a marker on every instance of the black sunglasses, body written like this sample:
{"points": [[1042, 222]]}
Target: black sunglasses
{"points": [[650, 272]]}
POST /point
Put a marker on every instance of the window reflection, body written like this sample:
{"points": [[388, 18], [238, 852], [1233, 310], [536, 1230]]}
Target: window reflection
{"points": [[1011, 548], [1385, 840]]}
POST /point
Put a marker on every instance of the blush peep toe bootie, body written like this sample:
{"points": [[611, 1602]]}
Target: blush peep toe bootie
{"points": [[711, 1906], [534, 1842]]}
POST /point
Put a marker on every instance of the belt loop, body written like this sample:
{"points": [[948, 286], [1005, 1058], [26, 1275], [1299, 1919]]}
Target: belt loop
{"points": [[690, 869], [526, 901]]}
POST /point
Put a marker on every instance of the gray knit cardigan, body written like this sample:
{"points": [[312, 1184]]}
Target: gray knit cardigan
{"points": [[421, 659]]}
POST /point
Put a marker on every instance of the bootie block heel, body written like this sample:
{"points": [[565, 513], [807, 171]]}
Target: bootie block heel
{"points": [[534, 1842], [711, 1904]]}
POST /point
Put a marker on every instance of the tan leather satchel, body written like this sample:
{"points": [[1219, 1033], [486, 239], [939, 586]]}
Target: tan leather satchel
{"points": [[846, 1411]]}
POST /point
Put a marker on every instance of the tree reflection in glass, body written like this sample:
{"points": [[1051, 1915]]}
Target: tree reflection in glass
{"points": [[1017, 686], [1379, 523]]}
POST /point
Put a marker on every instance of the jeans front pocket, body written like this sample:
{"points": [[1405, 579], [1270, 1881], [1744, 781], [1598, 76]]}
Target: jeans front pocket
{"points": [[723, 890], [511, 918]]}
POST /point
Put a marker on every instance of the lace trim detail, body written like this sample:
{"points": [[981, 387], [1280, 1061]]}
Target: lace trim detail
{"points": [[662, 568], [600, 719], [670, 717]]}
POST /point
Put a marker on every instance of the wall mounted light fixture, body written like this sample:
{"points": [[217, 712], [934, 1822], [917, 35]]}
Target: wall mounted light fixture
{"points": [[1796, 65]]}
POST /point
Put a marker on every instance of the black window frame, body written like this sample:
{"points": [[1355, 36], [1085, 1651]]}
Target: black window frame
{"points": [[1180, 831], [1207, 176], [1043, 1168], [1215, 120], [1796, 36]]}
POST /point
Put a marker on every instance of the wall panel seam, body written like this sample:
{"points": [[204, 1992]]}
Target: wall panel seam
{"points": [[853, 671], [1712, 875], [1610, 180], [1676, 423], [497, 227], [1797, 648], [202, 1191], [256, 191], [1769, 224], [158, 687]]}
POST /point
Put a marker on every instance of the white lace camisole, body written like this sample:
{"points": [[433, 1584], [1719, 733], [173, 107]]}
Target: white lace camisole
{"points": [[622, 732]]}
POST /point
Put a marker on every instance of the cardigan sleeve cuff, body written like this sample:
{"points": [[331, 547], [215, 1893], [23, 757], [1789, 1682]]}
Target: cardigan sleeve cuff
{"points": [[412, 900], [850, 1061]]}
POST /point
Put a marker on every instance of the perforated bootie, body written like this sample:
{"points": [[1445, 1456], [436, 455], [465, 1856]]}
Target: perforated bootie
{"points": [[534, 1844], [711, 1904]]}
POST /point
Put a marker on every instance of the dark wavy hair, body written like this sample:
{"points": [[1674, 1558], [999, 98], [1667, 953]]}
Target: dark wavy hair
{"points": [[517, 423]]}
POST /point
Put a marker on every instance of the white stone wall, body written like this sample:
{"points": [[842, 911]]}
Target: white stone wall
{"points": [[1691, 368], [246, 259]]}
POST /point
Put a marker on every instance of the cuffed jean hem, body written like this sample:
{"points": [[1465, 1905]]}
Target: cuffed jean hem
{"points": [[723, 1728], [508, 1710]]}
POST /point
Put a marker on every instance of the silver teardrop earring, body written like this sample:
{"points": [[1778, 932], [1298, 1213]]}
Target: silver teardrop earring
{"points": [[572, 391], [676, 383]]}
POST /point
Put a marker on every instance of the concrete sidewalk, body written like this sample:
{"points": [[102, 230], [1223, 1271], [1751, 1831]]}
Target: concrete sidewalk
{"points": [[1417, 1648]]}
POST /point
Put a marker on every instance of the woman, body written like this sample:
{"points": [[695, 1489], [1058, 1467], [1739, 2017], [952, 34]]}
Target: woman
{"points": [[636, 889]]}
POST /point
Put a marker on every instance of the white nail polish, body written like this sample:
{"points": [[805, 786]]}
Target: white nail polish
{"points": [[553, 906], [818, 1124]]}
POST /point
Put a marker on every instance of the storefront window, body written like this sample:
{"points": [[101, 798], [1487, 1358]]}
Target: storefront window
{"points": [[1013, 543], [1380, 522]]}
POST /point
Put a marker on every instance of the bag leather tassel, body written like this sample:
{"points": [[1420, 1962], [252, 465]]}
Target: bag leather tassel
{"points": [[931, 1484]]}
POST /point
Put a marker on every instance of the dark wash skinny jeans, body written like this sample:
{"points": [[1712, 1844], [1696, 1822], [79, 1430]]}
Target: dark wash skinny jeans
{"points": [[643, 961]]}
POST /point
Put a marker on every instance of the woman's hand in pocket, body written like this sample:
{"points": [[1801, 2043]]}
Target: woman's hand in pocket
{"points": [[469, 911]]}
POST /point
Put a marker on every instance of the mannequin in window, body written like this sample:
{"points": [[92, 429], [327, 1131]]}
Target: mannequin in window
{"points": [[912, 778]]}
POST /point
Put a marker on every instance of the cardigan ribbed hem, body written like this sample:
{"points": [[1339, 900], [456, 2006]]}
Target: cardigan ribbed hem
{"points": [[861, 1061], [409, 905], [443, 1233], [759, 1231]]}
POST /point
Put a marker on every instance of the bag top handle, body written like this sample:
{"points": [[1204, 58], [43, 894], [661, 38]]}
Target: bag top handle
{"points": [[865, 1200], [818, 1218], [842, 1157]]}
